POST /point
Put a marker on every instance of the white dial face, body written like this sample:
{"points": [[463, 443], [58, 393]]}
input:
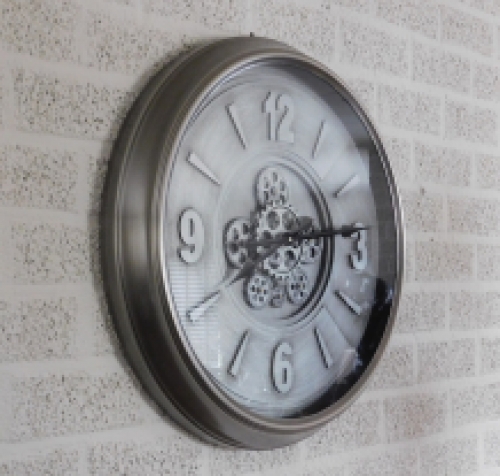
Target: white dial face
{"points": [[273, 239]]}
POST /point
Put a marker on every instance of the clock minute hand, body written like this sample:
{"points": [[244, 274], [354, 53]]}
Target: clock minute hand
{"points": [[294, 236], [247, 270]]}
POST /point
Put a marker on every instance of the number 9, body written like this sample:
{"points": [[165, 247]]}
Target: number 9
{"points": [[192, 234]]}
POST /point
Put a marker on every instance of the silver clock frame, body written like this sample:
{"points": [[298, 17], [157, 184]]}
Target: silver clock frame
{"points": [[131, 224]]}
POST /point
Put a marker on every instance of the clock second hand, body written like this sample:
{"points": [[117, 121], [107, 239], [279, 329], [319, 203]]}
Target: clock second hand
{"points": [[248, 268]]}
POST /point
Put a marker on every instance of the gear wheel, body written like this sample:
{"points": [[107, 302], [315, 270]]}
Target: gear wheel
{"points": [[271, 222], [237, 229], [311, 249], [272, 188], [258, 290], [297, 287], [277, 296]]}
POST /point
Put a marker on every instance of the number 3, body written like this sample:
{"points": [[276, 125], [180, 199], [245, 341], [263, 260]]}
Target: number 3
{"points": [[359, 259], [192, 234]]}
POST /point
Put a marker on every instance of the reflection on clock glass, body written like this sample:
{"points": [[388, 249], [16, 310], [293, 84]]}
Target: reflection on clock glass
{"points": [[279, 240]]}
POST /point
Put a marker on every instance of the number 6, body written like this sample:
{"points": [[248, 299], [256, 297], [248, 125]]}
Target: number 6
{"points": [[282, 369]]}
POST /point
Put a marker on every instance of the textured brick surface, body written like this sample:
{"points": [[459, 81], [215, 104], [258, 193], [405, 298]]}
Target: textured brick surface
{"points": [[421, 16], [423, 211], [421, 311], [40, 28], [32, 329], [437, 261], [38, 177], [454, 456], [488, 171], [413, 416], [441, 68], [488, 262], [472, 123], [400, 157], [476, 216], [168, 456], [467, 31], [47, 103], [486, 82], [56, 463], [471, 310], [475, 404], [444, 165], [410, 110], [396, 368], [368, 47], [72, 402]]}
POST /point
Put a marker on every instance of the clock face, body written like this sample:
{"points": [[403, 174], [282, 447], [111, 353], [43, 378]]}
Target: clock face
{"points": [[277, 245]]}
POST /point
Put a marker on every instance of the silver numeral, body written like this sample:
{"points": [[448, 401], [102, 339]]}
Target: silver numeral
{"points": [[359, 259], [280, 128], [192, 234], [282, 368]]}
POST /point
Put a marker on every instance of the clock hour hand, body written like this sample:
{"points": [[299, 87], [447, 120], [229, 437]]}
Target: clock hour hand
{"points": [[247, 270]]}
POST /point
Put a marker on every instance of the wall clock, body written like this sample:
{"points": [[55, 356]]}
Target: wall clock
{"points": [[252, 243]]}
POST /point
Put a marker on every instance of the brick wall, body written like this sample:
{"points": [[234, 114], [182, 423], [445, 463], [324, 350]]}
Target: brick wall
{"points": [[428, 71]]}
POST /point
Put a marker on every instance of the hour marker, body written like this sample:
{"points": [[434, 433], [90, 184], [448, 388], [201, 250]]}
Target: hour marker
{"points": [[197, 311], [235, 118], [195, 161], [353, 305], [319, 139], [234, 368], [327, 358], [347, 363], [349, 185]]}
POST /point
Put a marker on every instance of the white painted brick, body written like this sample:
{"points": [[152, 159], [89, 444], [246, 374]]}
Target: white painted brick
{"points": [[403, 462], [414, 416], [470, 122], [475, 404], [409, 265], [441, 360], [54, 463], [41, 28], [490, 355], [358, 426], [363, 6], [474, 215], [423, 211], [37, 328], [491, 445], [395, 368], [175, 455], [105, 340], [225, 15], [438, 67], [421, 311], [96, 169], [474, 310], [488, 171], [310, 30], [488, 262], [65, 403], [421, 16], [369, 47], [410, 110], [69, 107], [488, 6], [230, 461], [38, 177], [121, 44], [399, 153], [438, 164], [486, 82], [457, 456], [49, 253], [467, 31], [365, 93], [438, 261]]}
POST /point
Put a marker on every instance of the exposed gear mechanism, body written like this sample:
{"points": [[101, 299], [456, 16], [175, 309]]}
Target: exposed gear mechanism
{"points": [[311, 249], [272, 188], [297, 287], [271, 222], [238, 229], [258, 290]]}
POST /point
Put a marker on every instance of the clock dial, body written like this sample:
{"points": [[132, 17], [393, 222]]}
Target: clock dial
{"points": [[273, 248]]}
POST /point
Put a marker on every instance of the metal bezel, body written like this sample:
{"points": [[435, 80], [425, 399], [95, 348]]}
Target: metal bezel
{"points": [[131, 225]]}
